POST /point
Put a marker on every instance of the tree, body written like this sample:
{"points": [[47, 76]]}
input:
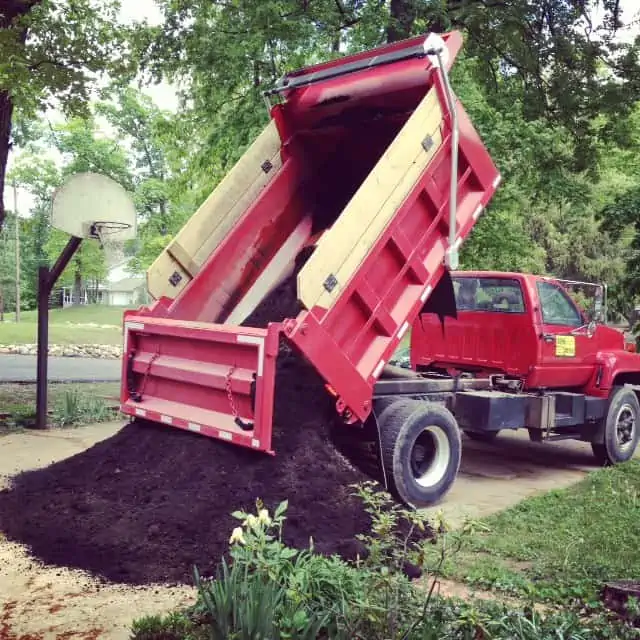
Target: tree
{"points": [[159, 144], [82, 149], [50, 53]]}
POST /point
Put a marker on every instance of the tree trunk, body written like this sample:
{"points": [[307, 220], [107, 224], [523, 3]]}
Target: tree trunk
{"points": [[403, 15], [6, 111], [77, 285], [10, 11]]}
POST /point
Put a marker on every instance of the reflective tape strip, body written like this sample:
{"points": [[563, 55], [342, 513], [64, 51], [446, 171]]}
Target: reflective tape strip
{"points": [[258, 341], [403, 330], [192, 426], [496, 181], [426, 293], [225, 435], [478, 212], [378, 370], [141, 412], [255, 443], [130, 326], [166, 419]]}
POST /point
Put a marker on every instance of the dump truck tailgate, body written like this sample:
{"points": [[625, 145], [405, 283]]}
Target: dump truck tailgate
{"points": [[209, 379]]}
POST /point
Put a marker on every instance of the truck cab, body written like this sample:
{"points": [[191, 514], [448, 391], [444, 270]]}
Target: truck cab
{"points": [[528, 334]]}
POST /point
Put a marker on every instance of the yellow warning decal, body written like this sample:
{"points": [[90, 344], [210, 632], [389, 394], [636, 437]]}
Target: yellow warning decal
{"points": [[566, 346]]}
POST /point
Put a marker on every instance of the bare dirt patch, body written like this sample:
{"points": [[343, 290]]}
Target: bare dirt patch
{"points": [[41, 603]]}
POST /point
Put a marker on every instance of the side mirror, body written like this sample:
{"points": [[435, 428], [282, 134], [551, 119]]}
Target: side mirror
{"points": [[591, 328]]}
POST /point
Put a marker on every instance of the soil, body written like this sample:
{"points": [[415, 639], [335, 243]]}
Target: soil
{"points": [[493, 477], [147, 504]]}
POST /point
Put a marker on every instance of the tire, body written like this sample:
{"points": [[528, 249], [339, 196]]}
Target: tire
{"points": [[621, 429], [482, 436], [421, 450]]}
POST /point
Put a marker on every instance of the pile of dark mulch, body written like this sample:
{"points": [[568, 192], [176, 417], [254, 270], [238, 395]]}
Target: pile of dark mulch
{"points": [[148, 503]]}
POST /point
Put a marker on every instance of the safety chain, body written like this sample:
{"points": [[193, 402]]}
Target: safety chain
{"points": [[227, 385], [152, 359], [245, 426]]}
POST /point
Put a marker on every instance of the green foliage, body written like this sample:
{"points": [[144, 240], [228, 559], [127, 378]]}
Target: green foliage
{"points": [[67, 43], [175, 626], [555, 102], [75, 408], [51, 52], [563, 545], [272, 591]]}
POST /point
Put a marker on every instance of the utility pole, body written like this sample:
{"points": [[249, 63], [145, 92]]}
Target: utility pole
{"points": [[17, 224]]}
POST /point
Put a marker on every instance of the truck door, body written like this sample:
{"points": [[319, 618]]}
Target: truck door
{"points": [[566, 346]]}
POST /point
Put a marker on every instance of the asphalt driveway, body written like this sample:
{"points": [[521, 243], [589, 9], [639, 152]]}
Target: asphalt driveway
{"points": [[16, 368]]}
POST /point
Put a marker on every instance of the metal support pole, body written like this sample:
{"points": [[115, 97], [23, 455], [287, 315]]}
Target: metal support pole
{"points": [[47, 278], [451, 257], [17, 230], [454, 245], [43, 348]]}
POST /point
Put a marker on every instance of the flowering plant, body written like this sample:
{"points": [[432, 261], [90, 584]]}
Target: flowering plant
{"points": [[257, 542]]}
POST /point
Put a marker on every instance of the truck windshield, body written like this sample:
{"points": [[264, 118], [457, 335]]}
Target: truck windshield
{"points": [[497, 295]]}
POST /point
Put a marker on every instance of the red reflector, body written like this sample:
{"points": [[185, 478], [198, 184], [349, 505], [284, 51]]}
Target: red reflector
{"points": [[630, 346]]}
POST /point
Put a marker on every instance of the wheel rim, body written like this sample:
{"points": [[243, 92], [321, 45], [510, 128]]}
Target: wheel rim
{"points": [[625, 427], [430, 456]]}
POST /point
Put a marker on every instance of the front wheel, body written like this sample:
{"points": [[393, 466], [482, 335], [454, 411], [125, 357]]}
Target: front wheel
{"points": [[421, 451], [621, 429]]}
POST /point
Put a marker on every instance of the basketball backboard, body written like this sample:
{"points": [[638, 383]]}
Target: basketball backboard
{"points": [[90, 205]]}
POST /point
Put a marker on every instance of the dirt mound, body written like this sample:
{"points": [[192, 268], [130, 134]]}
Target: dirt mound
{"points": [[148, 503]]}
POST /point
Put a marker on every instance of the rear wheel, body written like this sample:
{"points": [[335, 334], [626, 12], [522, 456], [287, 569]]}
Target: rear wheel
{"points": [[421, 450], [621, 431], [482, 436]]}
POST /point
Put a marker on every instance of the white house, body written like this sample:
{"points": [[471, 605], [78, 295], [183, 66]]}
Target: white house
{"points": [[120, 289]]}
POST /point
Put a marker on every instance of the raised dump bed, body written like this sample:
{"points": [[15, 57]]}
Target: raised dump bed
{"points": [[355, 164]]}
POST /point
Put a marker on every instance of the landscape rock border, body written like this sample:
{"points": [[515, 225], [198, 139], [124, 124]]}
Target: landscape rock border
{"points": [[103, 351]]}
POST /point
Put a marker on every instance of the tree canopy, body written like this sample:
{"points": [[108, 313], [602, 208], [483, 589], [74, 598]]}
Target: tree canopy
{"points": [[50, 54], [549, 85]]}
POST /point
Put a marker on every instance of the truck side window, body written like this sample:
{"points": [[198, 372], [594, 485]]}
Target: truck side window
{"points": [[497, 295], [557, 307]]}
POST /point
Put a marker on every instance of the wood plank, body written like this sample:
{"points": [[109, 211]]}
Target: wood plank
{"points": [[158, 275], [372, 233], [343, 247], [279, 268], [240, 185], [208, 226]]}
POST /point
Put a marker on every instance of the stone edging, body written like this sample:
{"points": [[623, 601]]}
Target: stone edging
{"points": [[104, 351]]}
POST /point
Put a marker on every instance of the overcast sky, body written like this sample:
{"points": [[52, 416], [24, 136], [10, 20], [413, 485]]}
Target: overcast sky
{"points": [[165, 97]]}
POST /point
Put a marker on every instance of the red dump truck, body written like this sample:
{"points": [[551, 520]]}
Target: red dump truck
{"points": [[546, 365], [370, 162]]}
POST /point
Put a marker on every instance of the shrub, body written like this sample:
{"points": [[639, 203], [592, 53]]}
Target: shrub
{"points": [[76, 408], [269, 591]]}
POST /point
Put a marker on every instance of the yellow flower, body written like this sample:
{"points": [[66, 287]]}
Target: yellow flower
{"points": [[237, 536], [251, 521], [263, 517]]}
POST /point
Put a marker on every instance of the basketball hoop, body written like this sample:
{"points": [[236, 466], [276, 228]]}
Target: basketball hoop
{"points": [[87, 205], [93, 206], [112, 236], [99, 229], [90, 205]]}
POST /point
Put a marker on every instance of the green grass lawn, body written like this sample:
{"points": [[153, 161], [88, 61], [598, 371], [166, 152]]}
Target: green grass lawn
{"points": [[63, 326], [69, 404], [562, 545]]}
